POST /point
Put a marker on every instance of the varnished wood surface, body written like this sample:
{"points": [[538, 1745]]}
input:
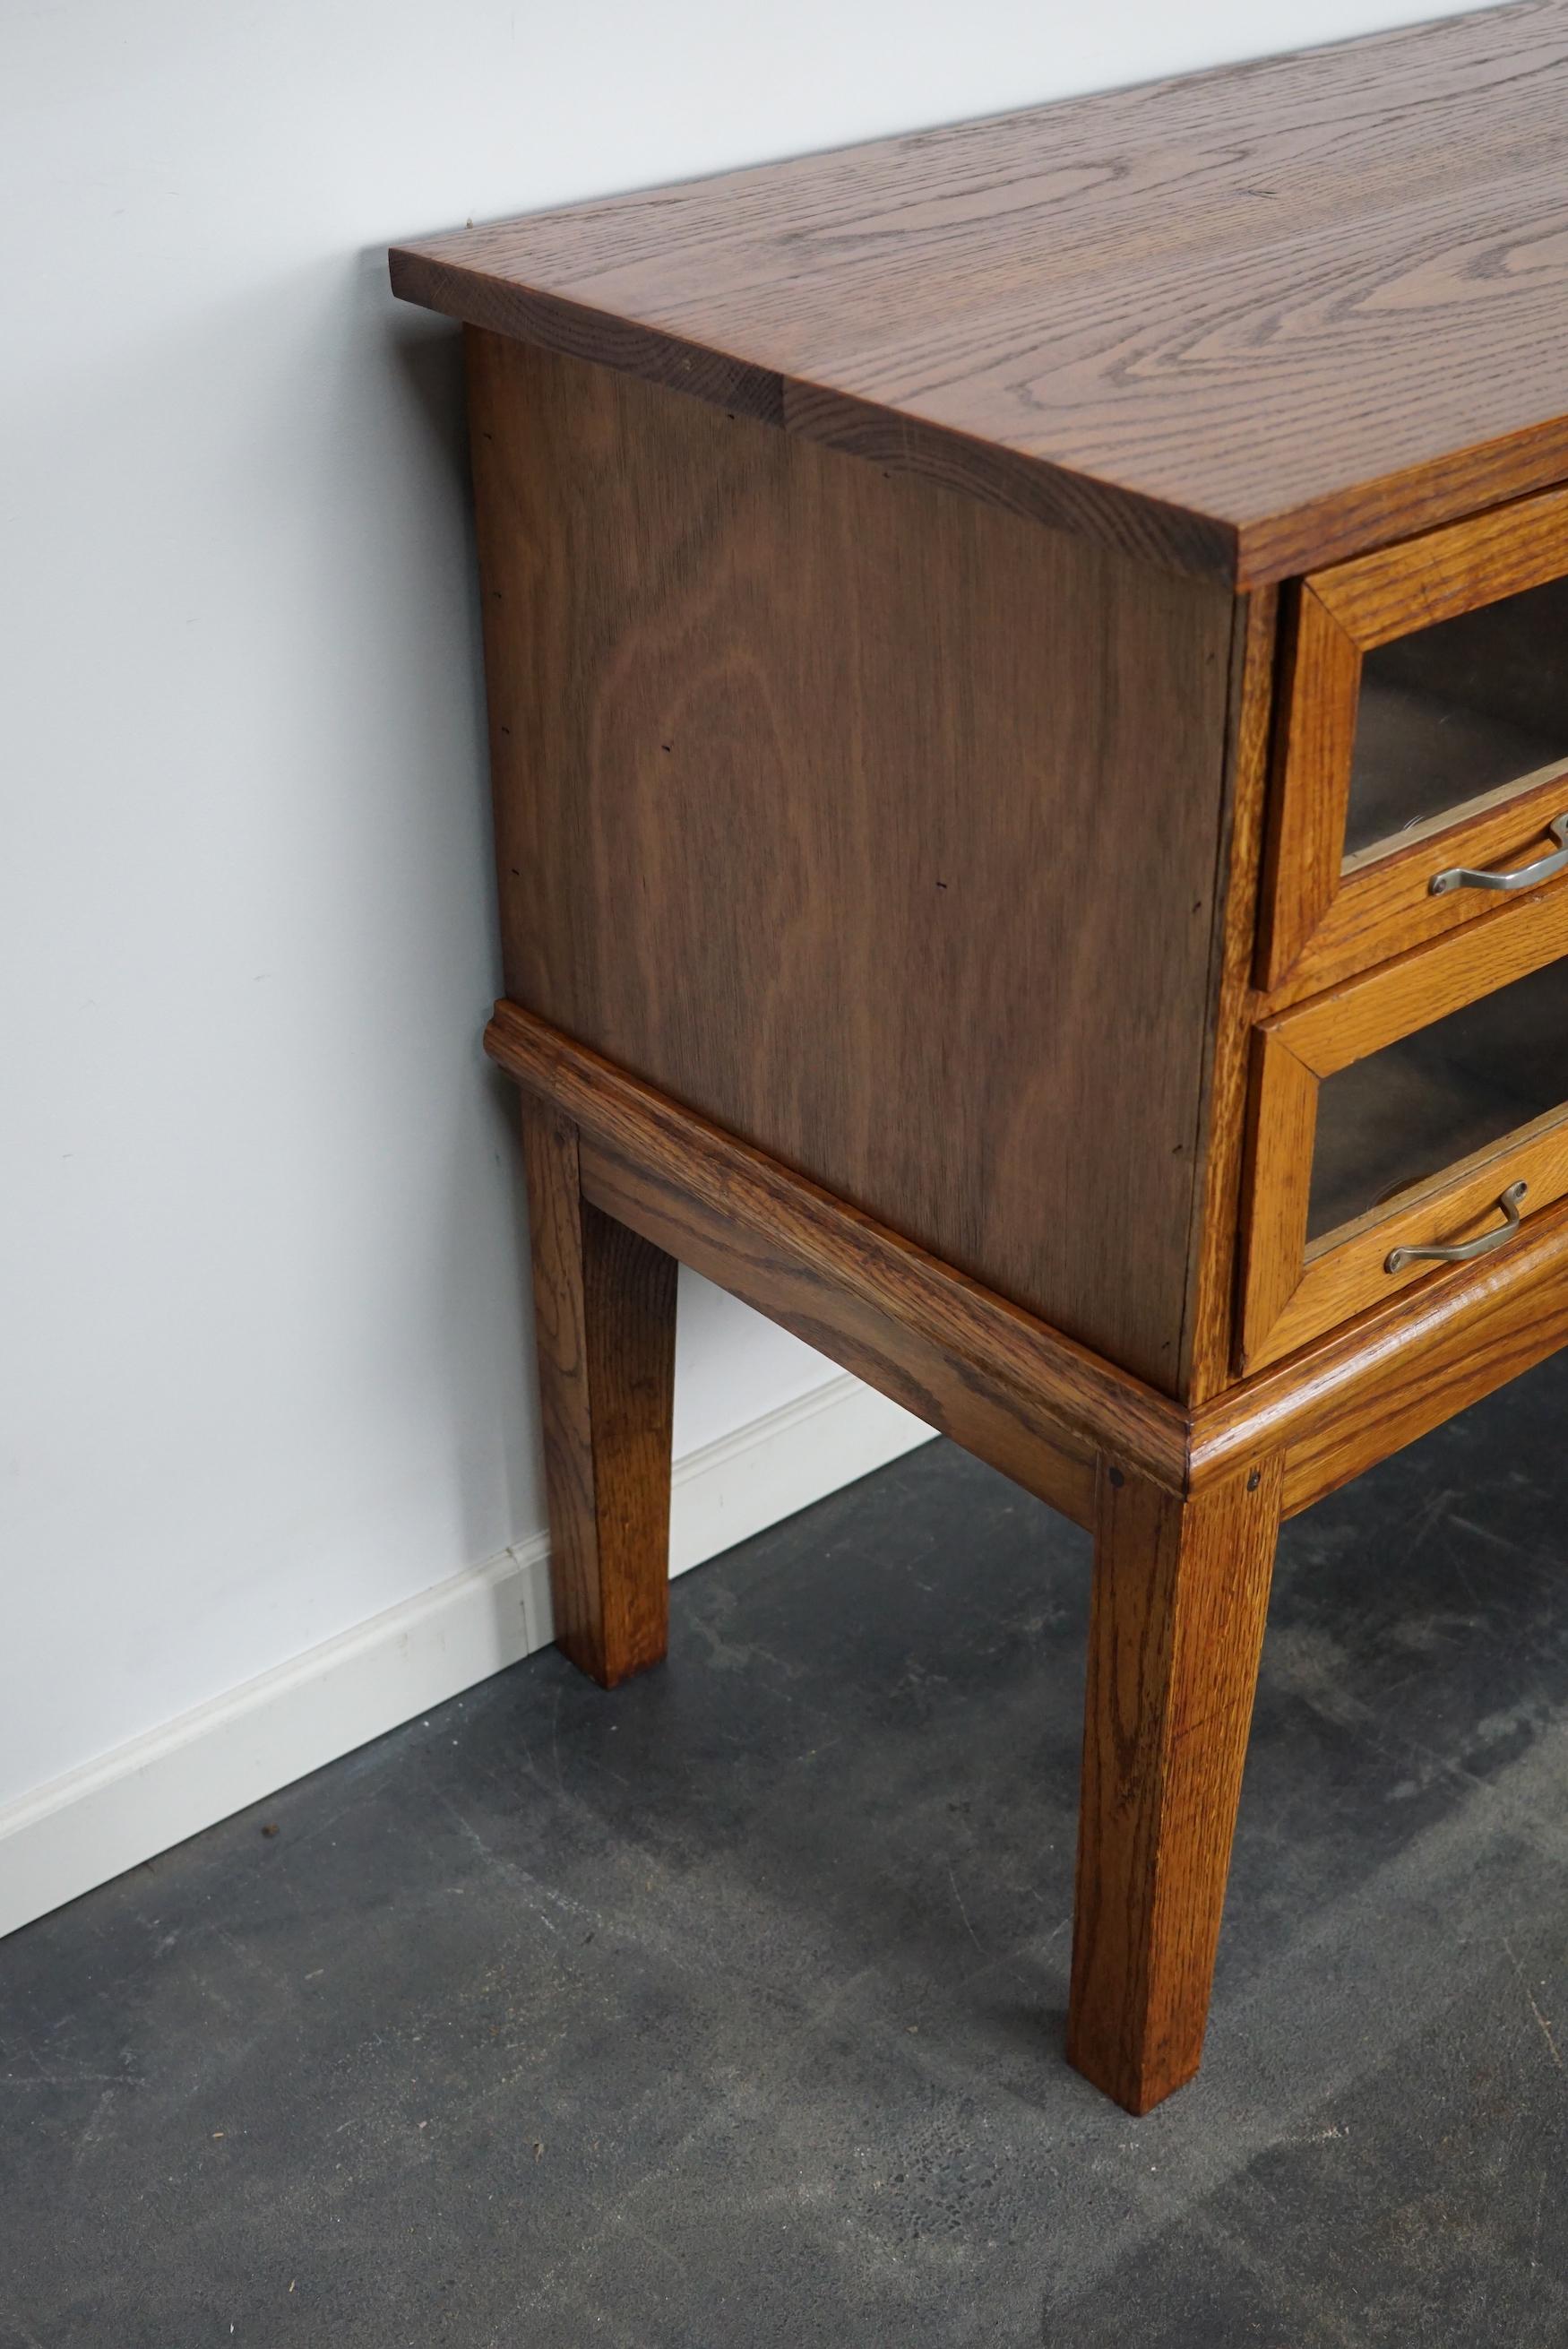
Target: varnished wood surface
{"points": [[1181, 1594], [839, 1280], [960, 1390], [1347, 1402], [604, 1310], [1292, 1294], [1435, 578], [1283, 1126], [1320, 678], [1223, 1145], [1457, 1203], [1363, 1014], [879, 827], [1325, 917], [1332, 1409], [1386, 908], [881, 869], [1348, 1271], [869, 1300], [1244, 323]]}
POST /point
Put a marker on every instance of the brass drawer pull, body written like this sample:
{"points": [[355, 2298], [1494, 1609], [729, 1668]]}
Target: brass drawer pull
{"points": [[1464, 876], [1467, 1249]]}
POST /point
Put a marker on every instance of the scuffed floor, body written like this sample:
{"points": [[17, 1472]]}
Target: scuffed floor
{"points": [[728, 2009]]}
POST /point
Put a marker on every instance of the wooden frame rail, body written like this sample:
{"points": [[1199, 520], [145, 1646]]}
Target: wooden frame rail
{"points": [[999, 1381], [1022, 1396]]}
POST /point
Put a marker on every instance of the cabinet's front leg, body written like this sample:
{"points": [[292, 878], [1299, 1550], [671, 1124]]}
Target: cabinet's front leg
{"points": [[604, 1310], [1180, 1591]]}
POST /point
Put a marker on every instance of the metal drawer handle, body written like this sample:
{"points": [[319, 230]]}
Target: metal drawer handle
{"points": [[1464, 876], [1468, 1249]]}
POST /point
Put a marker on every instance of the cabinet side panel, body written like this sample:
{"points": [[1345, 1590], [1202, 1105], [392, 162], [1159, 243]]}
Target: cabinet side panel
{"points": [[877, 825]]}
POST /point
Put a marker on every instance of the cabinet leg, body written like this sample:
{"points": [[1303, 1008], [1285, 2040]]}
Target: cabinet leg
{"points": [[604, 1310], [1180, 1591]]}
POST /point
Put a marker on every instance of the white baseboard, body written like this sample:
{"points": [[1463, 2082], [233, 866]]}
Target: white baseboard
{"points": [[151, 1792]]}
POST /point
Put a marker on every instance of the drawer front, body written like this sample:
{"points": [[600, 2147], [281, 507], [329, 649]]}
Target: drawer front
{"points": [[1423, 770], [1423, 1107]]}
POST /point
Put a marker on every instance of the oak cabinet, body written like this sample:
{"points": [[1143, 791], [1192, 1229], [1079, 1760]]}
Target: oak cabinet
{"points": [[1028, 692]]}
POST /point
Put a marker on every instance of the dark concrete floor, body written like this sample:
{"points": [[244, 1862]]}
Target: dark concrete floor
{"points": [[728, 2009]]}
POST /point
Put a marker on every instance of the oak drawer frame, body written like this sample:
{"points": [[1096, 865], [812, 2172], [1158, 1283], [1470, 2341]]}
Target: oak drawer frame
{"points": [[1327, 916], [1294, 1290]]}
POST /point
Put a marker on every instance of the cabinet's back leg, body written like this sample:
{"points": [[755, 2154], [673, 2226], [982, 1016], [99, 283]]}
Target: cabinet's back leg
{"points": [[1181, 1590], [604, 1310]]}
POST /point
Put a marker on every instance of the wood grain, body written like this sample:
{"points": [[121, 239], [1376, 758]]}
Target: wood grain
{"points": [[1243, 324], [1224, 1142], [1427, 580], [1306, 838], [959, 1390], [1363, 1014], [897, 925], [605, 1314], [1342, 1405], [1292, 1293], [1383, 907], [878, 827], [1327, 916], [1180, 1593], [794, 1250], [1282, 1132], [1334, 1409], [1348, 1271]]}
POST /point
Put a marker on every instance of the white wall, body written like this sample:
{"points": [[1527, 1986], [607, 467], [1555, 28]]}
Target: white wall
{"points": [[264, 1361]]}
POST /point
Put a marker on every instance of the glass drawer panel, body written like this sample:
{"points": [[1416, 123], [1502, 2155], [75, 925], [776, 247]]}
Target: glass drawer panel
{"points": [[1406, 1112], [1453, 712]]}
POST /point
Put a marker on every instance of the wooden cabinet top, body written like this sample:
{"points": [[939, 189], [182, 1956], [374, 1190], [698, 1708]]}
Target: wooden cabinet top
{"points": [[1242, 323]]}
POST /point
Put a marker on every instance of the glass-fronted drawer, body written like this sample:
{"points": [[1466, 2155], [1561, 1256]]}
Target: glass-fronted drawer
{"points": [[1410, 1119], [1423, 777], [1405, 1115], [1456, 716]]}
